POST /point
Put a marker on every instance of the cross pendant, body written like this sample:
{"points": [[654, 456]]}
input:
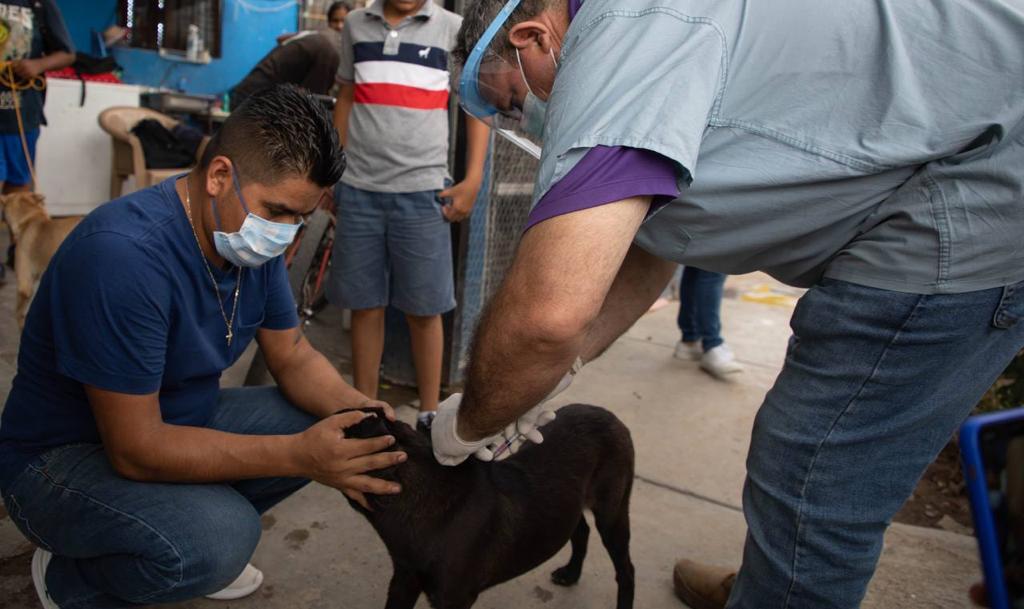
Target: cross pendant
{"points": [[228, 336]]}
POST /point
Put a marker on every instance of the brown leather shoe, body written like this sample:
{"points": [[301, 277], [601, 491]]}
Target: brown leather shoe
{"points": [[702, 586]]}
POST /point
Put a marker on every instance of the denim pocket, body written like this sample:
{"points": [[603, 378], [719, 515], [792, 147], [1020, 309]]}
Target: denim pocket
{"points": [[57, 464], [1011, 307], [14, 511], [442, 202], [439, 203]]}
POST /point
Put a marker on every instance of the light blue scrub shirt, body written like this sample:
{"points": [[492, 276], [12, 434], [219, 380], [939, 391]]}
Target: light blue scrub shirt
{"points": [[875, 141]]}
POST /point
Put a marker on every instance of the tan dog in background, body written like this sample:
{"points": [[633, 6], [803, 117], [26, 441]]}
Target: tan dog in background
{"points": [[37, 237]]}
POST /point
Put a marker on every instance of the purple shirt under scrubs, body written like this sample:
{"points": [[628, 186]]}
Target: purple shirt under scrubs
{"points": [[607, 174]]}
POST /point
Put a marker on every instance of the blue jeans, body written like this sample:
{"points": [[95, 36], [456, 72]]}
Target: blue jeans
{"points": [[119, 543], [700, 306], [874, 385], [13, 166]]}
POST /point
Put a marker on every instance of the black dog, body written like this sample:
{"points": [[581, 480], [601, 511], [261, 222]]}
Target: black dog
{"points": [[455, 531]]}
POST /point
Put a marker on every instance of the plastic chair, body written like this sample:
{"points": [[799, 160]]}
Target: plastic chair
{"points": [[128, 159]]}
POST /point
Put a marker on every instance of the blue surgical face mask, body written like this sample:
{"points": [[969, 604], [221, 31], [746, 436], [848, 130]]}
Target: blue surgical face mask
{"points": [[534, 108], [257, 242], [534, 112]]}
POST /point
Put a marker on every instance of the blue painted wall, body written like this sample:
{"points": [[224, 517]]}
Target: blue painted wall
{"points": [[248, 35]]}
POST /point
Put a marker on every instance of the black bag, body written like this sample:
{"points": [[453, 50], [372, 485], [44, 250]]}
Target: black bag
{"points": [[159, 146], [87, 64]]}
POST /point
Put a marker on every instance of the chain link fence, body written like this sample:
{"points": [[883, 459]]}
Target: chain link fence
{"points": [[488, 243]]}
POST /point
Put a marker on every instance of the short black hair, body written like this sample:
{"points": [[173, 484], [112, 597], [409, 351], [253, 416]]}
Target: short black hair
{"points": [[278, 132], [338, 5], [480, 14]]}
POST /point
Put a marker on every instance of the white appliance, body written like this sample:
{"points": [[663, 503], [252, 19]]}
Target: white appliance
{"points": [[73, 156]]}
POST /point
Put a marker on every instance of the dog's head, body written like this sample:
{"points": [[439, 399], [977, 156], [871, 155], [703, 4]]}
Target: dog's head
{"points": [[379, 425], [19, 207], [416, 446]]}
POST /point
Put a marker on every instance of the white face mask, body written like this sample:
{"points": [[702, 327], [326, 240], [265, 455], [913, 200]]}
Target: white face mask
{"points": [[257, 242], [534, 108]]}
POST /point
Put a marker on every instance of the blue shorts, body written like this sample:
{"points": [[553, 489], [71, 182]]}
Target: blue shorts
{"points": [[13, 166], [391, 248]]}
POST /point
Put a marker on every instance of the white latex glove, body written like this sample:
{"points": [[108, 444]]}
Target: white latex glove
{"points": [[525, 428], [519, 432], [449, 448]]}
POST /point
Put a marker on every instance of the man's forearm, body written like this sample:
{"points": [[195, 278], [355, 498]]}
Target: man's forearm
{"points": [[538, 322], [506, 351], [178, 453], [640, 281], [311, 383]]}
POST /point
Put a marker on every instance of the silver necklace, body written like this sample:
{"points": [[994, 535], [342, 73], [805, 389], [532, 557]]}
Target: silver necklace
{"points": [[229, 323]]}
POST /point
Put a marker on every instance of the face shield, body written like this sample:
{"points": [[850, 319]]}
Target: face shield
{"points": [[492, 89], [485, 84]]}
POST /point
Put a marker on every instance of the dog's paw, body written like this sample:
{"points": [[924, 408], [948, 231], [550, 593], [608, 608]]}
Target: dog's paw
{"points": [[565, 576]]}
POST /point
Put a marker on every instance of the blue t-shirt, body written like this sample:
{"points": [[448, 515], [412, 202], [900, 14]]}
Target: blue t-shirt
{"points": [[127, 305], [34, 28]]}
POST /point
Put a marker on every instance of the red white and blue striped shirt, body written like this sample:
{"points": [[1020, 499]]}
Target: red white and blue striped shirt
{"points": [[398, 127]]}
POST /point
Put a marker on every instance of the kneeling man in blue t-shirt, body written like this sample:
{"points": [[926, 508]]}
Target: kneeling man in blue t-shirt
{"points": [[140, 480]]}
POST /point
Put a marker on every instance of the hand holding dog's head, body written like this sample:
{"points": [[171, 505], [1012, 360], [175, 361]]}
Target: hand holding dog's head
{"points": [[370, 427], [374, 426]]}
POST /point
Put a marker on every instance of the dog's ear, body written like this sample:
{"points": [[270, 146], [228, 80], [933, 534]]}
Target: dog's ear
{"points": [[39, 199], [370, 427]]}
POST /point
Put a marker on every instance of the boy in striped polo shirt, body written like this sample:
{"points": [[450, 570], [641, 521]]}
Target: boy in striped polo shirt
{"points": [[393, 244]]}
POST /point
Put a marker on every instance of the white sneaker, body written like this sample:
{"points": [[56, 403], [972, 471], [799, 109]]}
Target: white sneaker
{"points": [[688, 350], [720, 362], [40, 562], [244, 585]]}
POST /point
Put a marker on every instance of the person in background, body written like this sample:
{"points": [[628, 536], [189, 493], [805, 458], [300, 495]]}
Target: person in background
{"points": [[336, 15], [700, 321], [393, 245], [337, 12], [307, 59], [33, 40]]}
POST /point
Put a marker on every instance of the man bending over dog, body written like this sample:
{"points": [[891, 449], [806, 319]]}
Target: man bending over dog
{"points": [[855, 157], [145, 304]]}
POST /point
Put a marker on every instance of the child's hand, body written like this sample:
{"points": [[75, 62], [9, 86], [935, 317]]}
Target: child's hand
{"points": [[27, 68], [463, 196]]}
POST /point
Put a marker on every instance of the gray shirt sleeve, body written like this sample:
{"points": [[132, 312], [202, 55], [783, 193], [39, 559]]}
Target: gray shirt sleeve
{"points": [[646, 79], [455, 22]]}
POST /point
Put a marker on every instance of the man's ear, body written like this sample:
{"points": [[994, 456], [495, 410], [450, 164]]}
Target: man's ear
{"points": [[218, 176], [529, 33]]}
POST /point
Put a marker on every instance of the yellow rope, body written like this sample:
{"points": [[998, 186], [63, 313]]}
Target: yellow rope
{"points": [[13, 82]]}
